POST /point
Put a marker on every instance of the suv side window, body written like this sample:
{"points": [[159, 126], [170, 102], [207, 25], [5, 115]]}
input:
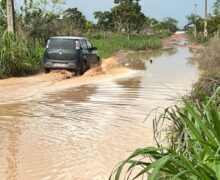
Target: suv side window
{"points": [[83, 44], [89, 44]]}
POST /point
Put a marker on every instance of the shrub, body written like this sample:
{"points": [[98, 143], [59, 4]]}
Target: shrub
{"points": [[198, 39], [115, 43], [18, 57], [209, 63]]}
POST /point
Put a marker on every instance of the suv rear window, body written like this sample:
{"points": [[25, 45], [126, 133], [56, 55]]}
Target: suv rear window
{"points": [[57, 43]]}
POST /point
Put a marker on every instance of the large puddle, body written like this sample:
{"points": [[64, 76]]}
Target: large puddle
{"points": [[82, 133]]}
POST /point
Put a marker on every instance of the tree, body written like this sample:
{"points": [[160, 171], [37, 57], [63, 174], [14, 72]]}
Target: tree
{"points": [[127, 16], [89, 26], [157, 27], [214, 24], [169, 24], [3, 17], [216, 8], [40, 20], [199, 22], [75, 20], [105, 21]]}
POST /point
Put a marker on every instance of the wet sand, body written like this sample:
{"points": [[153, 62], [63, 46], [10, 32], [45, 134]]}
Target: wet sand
{"points": [[26, 88], [174, 42]]}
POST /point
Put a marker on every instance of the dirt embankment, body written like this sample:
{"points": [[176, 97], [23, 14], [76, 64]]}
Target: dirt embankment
{"points": [[24, 88]]}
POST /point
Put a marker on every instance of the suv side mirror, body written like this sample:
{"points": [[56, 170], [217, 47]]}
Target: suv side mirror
{"points": [[94, 48]]}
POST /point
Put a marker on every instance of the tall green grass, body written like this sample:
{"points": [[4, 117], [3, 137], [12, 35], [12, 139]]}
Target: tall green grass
{"points": [[195, 145], [18, 56], [114, 43], [209, 64], [200, 39]]}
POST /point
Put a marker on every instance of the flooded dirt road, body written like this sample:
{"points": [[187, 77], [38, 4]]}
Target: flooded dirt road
{"points": [[83, 132]]}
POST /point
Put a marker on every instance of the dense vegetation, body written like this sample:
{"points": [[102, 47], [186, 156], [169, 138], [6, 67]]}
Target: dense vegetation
{"points": [[18, 57], [213, 21], [115, 42], [209, 64], [37, 21]]}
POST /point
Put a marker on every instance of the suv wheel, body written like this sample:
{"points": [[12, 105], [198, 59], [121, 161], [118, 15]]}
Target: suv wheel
{"points": [[88, 66], [46, 70], [99, 61], [82, 68]]}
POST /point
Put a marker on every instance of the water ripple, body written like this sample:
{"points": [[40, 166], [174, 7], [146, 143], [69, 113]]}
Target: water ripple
{"points": [[83, 133]]}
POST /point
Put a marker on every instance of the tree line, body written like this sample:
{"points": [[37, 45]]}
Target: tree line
{"points": [[44, 18], [41, 19]]}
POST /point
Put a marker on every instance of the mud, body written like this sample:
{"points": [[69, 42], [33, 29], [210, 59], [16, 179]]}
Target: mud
{"points": [[56, 126], [24, 88], [178, 41], [81, 128]]}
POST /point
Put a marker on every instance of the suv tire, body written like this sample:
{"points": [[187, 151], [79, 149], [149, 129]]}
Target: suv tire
{"points": [[46, 70], [82, 68]]}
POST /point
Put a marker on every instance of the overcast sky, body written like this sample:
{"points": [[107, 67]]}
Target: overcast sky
{"points": [[158, 9]]}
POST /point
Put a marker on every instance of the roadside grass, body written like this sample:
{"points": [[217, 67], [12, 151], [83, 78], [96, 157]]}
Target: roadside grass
{"points": [[18, 57], [194, 152], [209, 64], [200, 39], [210, 61], [114, 43]]}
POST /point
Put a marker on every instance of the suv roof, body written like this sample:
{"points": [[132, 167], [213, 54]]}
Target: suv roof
{"points": [[68, 37]]}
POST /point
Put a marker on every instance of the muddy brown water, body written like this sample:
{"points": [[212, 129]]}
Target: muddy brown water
{"points": [[82, 133]]}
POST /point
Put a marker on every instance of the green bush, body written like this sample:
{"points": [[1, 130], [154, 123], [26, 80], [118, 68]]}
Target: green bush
{"points": [[195, 145], [18, 57], [114, 43], [198, 39]]}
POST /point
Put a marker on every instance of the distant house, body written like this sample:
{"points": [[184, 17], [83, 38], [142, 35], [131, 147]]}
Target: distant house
{"points": [[189, 26]]}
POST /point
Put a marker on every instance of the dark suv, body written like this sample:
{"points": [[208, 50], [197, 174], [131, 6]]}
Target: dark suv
{"points": [[70, 53]]}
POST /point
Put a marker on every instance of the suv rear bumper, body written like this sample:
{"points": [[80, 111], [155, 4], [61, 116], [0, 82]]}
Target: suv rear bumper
{"points": [[69, 65]]}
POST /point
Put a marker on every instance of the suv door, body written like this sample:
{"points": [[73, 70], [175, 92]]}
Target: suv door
{"points": [[92, 53], [85, 51]]}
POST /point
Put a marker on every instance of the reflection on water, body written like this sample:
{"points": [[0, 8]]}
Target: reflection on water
{"points": [[82, 133], [137, 60]]}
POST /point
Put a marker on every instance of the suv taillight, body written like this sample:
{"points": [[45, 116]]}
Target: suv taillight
{"points": [[48, 42], [77, 45]]}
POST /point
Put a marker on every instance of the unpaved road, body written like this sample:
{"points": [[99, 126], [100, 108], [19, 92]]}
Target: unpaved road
{"points": [[174, 42], [83, 132], [24, 88]]}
